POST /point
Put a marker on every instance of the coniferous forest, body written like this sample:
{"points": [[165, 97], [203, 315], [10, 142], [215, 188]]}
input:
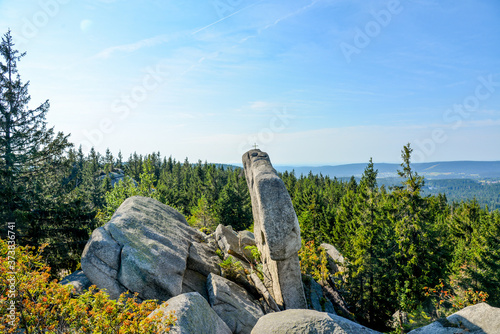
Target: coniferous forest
{"points": [[399, 244]]}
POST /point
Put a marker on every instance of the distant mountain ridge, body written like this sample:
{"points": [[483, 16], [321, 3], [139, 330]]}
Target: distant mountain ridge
{"points": [[430, 170]]}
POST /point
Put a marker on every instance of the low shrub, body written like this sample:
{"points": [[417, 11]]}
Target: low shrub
{"points": [[30, 302]]}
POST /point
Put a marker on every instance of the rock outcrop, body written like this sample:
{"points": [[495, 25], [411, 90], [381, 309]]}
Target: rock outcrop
{"points": [[315, 297], [233, 304], [148, 247], [476, 319], [276, 229], [78, 280], [307, 322], [480, 316], [194, 315], [335, 259], [234, 243], [270, 304]]}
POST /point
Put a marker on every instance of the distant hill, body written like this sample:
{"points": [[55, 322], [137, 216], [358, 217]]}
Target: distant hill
{"points": [[432, 170]]}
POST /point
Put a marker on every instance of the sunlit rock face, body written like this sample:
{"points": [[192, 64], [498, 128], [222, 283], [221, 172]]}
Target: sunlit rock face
{"points": [[148, 247], [276, 229]]}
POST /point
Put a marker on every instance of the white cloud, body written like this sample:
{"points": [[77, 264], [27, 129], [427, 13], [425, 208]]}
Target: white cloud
{"points": [[127, 48], [262, 105]]}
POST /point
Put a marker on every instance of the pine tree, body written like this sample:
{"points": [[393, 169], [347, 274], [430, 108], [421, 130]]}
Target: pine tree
{"points": [[309, 205], [119, 160], [366, 251], [29, 151], [39, 180], [202, 216], [92, 184], [417, 243], [109, 162], [233, 206]]}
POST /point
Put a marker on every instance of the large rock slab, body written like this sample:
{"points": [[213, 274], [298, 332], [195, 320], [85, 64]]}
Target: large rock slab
{"points": [[193, 314], [437, 328], [307, 322], [78, 281], [335, 297], [233, 304], [336, 260], [480, 316], [477, 319], [316, 299], [277, 230], [149, 248]]}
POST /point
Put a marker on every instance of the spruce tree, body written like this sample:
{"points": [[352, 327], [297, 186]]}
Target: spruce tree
{"points": [[417, 241], [29, 150], [39, 179]]}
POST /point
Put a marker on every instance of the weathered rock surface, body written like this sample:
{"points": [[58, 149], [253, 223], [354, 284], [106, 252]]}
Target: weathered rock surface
{"points": [[193, 314], [78, 280], [482, 316], [234, 243], [478, 319], [269, 300], [335, 258], [437, 328], [330, 291], [316, 300], [148, 247], [247, 238], [277, 231], [116, 176], [233, 304], [307, 322]]}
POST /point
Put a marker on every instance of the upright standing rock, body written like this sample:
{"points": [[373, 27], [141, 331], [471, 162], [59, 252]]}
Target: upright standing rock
{"points": [[277, 231]]}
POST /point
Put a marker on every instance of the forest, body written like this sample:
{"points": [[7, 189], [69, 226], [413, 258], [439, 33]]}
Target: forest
{"points": [[405, 250]]}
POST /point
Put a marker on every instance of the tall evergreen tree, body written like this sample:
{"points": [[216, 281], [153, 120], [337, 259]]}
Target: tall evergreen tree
{"points": [[39, 179], [29, 151], [369, 281], [417, 244]]}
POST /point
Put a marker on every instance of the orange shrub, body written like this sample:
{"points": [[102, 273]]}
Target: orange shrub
{"points": [[446, 302], [29, 301]]}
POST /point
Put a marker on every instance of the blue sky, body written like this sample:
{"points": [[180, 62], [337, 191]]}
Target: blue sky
{"points": [[310, 81]]}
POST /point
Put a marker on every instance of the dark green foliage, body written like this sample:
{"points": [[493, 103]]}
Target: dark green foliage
{"points": [[36, 173], [28, 149], [233, 206], [368, 241], [397, 242]]}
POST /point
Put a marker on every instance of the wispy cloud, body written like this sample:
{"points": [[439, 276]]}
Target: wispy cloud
{"points": [[289, 15], [127, 48], [226, 17], [262, 105]]}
